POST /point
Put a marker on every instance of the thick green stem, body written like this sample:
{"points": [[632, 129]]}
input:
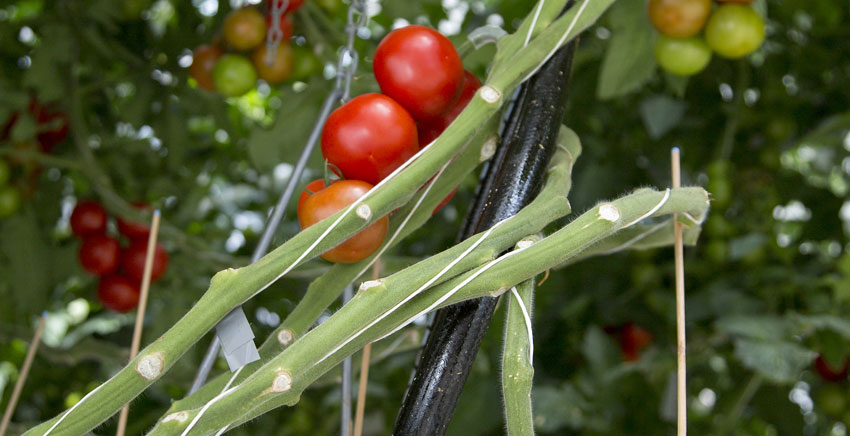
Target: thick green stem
{"points": [[517, 360], [325, 289], [281, 381], [350, 320]]}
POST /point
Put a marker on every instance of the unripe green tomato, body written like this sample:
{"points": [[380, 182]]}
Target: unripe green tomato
{"points": [[831, 399], [304, 63], [682, 56], [234, 75], [734, 30], [5, 171], [72, 398], [10, 201]]}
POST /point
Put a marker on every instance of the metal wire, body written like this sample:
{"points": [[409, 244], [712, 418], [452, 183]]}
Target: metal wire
{"points": [[275, 35], [346, 68]]}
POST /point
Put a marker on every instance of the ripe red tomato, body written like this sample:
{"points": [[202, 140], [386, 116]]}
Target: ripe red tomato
{"points": [[204, 58], [430, 130], [291, 7], [310, 189], [679, 18], [88, 218], [830, 374], [445, 201], [419, 68], [52, 125], [99, 254], [244, 28], [633, 339], [734, 30], [331, 200], [118, 293], [133, 260], [134, 229], [369, 137], [286, 27], [279, 70]]}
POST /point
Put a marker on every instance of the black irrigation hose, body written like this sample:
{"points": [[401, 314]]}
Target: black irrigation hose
{"points": [[510, 182]]}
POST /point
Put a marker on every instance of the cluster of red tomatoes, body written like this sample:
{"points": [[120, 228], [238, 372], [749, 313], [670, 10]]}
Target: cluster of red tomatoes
{"points": [[120, 270], [51, 127], [733, 29], [424, 88], [236, 71]]}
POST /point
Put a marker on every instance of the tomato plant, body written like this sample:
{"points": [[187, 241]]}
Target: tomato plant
{"points": [[368, 137], [734, 30], [244, 28], [118, 293], [679, 18], [99, 254], [88, 218], [682, 56], [420, 69], [133, 260], [281, 67], [204, 58], [331, 200], [234, 75]]}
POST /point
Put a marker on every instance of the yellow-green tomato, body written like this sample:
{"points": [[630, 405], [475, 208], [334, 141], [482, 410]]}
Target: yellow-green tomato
{"points": [[682, 56], [234, 75], [734, 30]]}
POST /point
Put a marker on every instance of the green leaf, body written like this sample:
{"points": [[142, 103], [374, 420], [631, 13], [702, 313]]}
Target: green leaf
{"points": [[557, 408], [823, 322], [628, 62], [599, 350], [660, 114], [761, 327], [288, 135], [781, 362], [23, 250]]}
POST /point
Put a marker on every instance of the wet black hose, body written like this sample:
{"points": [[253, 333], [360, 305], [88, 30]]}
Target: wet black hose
{"points": [[509, 183]]}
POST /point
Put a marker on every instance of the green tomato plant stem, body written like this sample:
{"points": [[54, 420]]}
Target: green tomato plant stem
{"points": [[232, 287], [378, 306], [325, 289], [518, 360]]}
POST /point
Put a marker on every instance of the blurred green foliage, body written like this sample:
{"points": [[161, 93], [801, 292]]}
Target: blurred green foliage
{"points": [[768, 283]]}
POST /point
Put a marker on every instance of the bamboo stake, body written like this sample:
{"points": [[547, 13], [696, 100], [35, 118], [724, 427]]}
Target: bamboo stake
{"points": [[681, 391], [22, 378], [140, 313], [364, 370]]}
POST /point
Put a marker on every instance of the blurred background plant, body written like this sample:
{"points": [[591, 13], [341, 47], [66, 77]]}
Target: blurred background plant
{"points": [[99, 104]]}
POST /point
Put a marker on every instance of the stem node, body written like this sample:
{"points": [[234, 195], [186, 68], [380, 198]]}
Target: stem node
{"points": [[364, 211], [282, 383], [490, 94], [609, 212], [285, 337], [150, 366]]}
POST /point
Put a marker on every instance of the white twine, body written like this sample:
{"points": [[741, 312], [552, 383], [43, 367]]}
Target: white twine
{"points": [[527, 319]]}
